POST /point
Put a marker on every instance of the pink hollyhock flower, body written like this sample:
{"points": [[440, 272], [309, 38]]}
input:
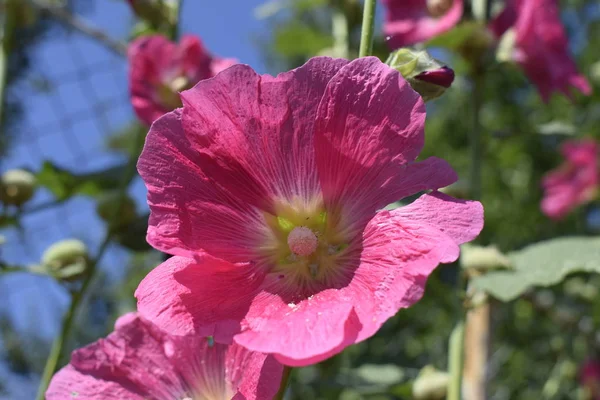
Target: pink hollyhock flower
{"points": [[411, 21], [160, 69], [140, 362], [590, 378], [272, 187], [576, 182], [541, 46]]}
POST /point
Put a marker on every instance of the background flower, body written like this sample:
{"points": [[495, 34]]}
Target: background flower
{"points": [[412, 21], [159, 69], [139, 362], [541, 46], [575, 182]]}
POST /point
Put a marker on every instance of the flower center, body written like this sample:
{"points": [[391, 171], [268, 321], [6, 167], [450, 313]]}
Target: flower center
{"points": [[302, 241], [437, 8]]}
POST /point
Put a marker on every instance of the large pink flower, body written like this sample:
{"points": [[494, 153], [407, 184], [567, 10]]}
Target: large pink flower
{"points": [[574, 183], [541, 46], [159, 69], [273, 186], [140, 362], [411, 21]]}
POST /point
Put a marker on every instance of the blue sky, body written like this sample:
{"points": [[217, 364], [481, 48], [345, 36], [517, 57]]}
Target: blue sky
{"points": [[66, 126]]}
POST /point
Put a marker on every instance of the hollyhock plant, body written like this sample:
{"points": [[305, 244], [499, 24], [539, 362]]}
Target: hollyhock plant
{"points": [[574, 183], [159, 69], [541, 46], [412, 21], [140, 362], [269, 190]]}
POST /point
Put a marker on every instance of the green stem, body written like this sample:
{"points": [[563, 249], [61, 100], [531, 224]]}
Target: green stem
{"points": [[455, 360], [340, 30], [7, 32], [368, 27], [285, 379], [77, 296], [476, 137]]}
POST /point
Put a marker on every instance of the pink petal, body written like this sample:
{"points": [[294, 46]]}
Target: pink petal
{"points": [[369, 130], [254, 134], [132, 357], [392, 264], [188, 210], [300, 333], [408, 22], [193, 59], [138, 361], [147, 56], [257, 376], [543, 48], [461, 220], [69, 383], [208, 297]]}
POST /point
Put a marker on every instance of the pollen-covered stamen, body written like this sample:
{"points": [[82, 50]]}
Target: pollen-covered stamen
{"points": [[302, 241], [437, 8]]}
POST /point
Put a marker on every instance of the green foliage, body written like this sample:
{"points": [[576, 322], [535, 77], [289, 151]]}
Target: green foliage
{"points": [[64, 184], [542, 264]]}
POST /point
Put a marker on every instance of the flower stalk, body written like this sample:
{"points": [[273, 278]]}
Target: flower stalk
{"points": [[77, 296], [368, 27]]}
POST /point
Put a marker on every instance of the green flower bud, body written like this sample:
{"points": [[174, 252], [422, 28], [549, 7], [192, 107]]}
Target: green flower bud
{"points": [[427, 76], [107, 205], [431, 384], [17, 186], [483, 258], [67, 259]]}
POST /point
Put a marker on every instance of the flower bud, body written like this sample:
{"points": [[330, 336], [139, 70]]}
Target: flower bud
{"points": [[155, 12], [431, 384], [107, 205], [67, 259], [17, 187], [482, 258], [427, 76]]}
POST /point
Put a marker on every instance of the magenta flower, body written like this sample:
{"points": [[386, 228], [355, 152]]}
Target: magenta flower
{"points": [[541, 46], [160, 69], [140, 362], [411, 21], [574, 183], [273, 187], [589, 377]]}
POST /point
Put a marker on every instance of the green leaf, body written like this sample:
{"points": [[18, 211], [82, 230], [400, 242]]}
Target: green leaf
{"points": [[542, 264], [296, 39], [64, 184], [458, 36]]}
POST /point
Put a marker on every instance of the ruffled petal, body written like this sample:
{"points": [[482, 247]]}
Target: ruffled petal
{"points": [[461, 220], [255, 133], [400, 249], [189, 212], [68, 383], [301, 333], [207, 297]]}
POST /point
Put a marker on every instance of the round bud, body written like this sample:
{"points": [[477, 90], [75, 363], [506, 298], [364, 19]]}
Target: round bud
{"points": [[107, 205], [67, 259], [17, 187], [431, 384]]}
